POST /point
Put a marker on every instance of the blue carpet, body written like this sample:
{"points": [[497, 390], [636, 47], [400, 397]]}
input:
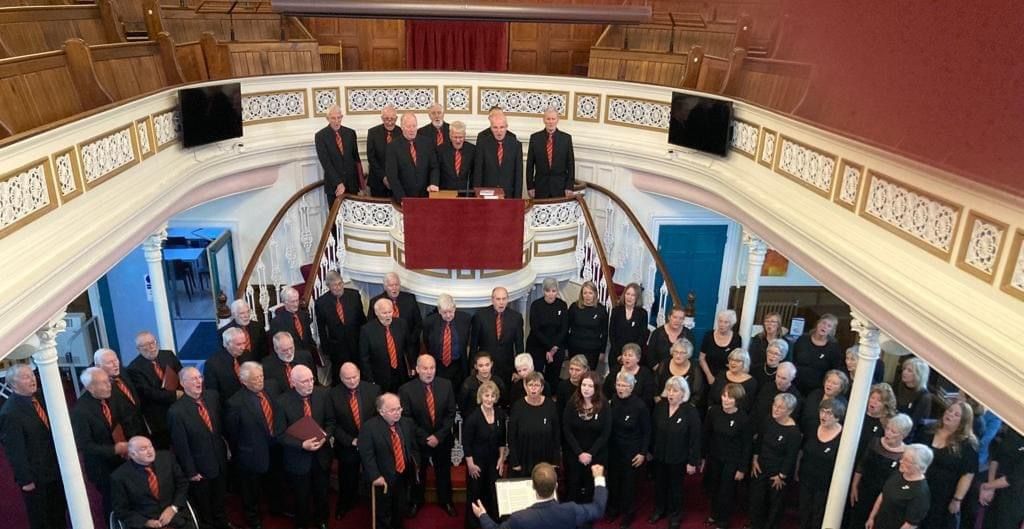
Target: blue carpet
{"points": [[205, 340]]}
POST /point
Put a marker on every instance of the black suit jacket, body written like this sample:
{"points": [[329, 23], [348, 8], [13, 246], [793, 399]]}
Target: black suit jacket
{"points": [[447, 178], [296, 459], [373, 351], [550, 181], [414, 405], [274, 371], [284, 321], [219, 374], [429, 131], [484, 338], [410, 179], [149, 387], [433, 336], [198, 450], [246, 428], [131, 401], [27, 441], [340, 340], [345, 425], [409, 312], [338, 168], [376, 149], [135, 505], [509, 175], [258, 344], [375, 448], [94, 438], [553, 515]]}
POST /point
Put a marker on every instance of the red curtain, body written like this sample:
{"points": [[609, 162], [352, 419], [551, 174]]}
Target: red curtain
{"points": [[456, 46]]}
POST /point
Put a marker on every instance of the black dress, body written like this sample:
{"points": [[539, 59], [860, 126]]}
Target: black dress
{"points": [[947, 467], [815, 478], [675, 444], [902, 502], [813, 361], [644, 388], [632, 330], [549, 325], [872, 429], [534, 435], [694, 377], [809, 420], [584, 433], [915, 403], [588, 332], [758, 350], [467, 394], [776, 450], [483, 441], [659, 346], [875, 466], [631, 435], [761, 413], [729, 439], [715, 356], [749, 388]]}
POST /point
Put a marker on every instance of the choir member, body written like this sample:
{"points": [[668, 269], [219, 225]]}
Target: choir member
{"points": [[294, 320], [912, 395], [221, 370], [675, 449], [586, 426], [876, 464], [446, 337], [566, 387], [377, 140], [353, 403], [150, 488], [629, 362], [549, 324], [904, 501], [717, 344], [534, 431], [818, 460], [339, 316], [482, 372], [851, 365], [774, 354], [390, 457], [729, 437], [775, 454], [498, 329], [382, 351], [122, 388], [630, 437], [403, 307], [1003, 490], [338, 153], [772, 330], [660, 343], [277, 368], [588, 325], [256, 336], [761, 413], [835, 386], [550, 160], [881, 408], [956, 460], [484, 440], [679, 363], [524, 366], [815, 353], [252, 427], [146, 372], [628, 321], [736, 372]]}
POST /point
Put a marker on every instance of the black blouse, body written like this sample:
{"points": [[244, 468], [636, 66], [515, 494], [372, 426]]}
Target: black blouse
{"points": [[587, 433], [762, 411], [717, 357], [749, 388], [809, 419], [483, 441], [875, 466], [947, 467], [659, 345], [467, 395], [534, 434], [676, 437], [644, 388], [872, 429], [588, 328], [694, 377], [622, 331], [915, 403], [902, 502], [777, 447], [631, 427], [729, 437], [549, 323], [818, 461], [758, 351], [813, 361]]}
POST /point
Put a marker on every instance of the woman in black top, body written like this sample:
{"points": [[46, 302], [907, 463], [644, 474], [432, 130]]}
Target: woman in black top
{"points": [[680, 364], [904, 501], [912, 395], [772, 330], [663, 337], [817, 461], [482, 365], [851, 365], [588, 325], [628, 322], [523, 364], [881, 408], [631, 435], [717, 344], [774, 354], [533, 429], [483, 437], [834, 387], [879, 461], [586, 426], [1004, 488], [675, 449], [729, 439], [566, 387], [630, 363], [774, 458], [956, 460], [549, 323], [815, 353], [738, 364]]}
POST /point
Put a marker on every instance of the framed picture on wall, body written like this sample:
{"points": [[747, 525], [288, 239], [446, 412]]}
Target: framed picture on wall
{"points": [[775, 265]]}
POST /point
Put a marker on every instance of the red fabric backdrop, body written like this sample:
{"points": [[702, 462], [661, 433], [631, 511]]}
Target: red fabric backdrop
{"points": [[456, 46], [463, 233]]}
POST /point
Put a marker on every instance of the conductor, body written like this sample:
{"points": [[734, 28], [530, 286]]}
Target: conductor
{"points": [[547, 513]]}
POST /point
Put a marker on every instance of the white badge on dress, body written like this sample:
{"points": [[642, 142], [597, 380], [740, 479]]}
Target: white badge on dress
{"points": [[595, 316], [545, 420], [632, 324], [828, 449], [822, 355], [893, 464], [627, 419], [905, 487], [780, 439], [679, 420], [559, 312], [731, 423]]}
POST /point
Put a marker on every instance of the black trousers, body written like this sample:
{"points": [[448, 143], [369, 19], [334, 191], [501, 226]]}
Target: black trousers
{"points": [[553, 371], [766, 503], [482, 489], [857, 515], [46, 506], [1006, 510], [622, 483], [207, 497], [721, 482], [349, 476], [812, 506], [454, 373], [254, 488], [668, 491], [393, 505], [310, 490], [440, 458], [579, 480]]}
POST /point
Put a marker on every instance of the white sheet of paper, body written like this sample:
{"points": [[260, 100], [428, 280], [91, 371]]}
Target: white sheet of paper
{"points": [[514, 495]]}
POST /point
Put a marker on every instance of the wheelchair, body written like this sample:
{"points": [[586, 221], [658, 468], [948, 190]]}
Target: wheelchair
{"points": [[193, 522]]}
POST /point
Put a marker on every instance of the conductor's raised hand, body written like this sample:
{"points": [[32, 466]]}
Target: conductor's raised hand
{"points": [[478, 508], [597, 470]]}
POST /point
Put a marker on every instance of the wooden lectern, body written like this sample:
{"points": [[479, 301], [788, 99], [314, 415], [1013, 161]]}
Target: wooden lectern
{"points": [[444, 193]]}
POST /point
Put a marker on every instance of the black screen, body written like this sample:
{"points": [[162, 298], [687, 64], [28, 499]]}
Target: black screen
{"points": [[210, 113], [700, 123]]}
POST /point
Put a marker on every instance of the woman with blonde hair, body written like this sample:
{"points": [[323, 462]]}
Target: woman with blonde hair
{"points": [[881, 408], [483, 436], [912, 395], [588, 325], [876, 464], [952, 471]]}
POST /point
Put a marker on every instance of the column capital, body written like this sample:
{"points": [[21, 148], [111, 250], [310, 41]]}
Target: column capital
{"points": [[153, 246], [47, 334], [869, 335], [756, 247]]}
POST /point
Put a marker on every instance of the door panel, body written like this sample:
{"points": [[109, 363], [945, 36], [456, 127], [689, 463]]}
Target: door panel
{"points": [[693, 255]]}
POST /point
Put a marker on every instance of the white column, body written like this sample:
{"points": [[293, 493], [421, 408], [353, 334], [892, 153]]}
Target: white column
{"points": [[60, 423], [756, 250], [867, 357], [153, 249]]}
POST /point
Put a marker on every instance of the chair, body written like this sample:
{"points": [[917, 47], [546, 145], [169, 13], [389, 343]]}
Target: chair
{"points": [[114, 523], [331, 58], [183, 273]]}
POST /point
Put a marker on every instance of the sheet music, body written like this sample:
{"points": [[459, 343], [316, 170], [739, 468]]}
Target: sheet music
{"points": [[514, 495]]}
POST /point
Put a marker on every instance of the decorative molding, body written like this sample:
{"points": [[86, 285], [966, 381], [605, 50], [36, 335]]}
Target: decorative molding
{"points": [[108, 155], [552, 247], [851, 181], [745, 138], [365, 246], [523, 102], [1013, 275], [368, 214], [67, 175], [768, 147], [279, 105], [26, 193], [373, 99], [458, 99], [489, 274], [166, 127], [587, 107], [806, 165], [924, 219], [323, 98], [637, 113], [145, 136], [981, 246], [554, 215]]}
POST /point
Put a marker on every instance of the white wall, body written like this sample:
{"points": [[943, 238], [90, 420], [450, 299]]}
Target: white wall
{"points": [[133, 312]]}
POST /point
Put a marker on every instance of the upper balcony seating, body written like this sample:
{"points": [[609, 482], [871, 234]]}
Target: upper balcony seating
{"points": [[38, 29]]}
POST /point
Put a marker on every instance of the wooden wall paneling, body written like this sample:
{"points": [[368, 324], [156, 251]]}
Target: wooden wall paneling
{"points": [[246, 62], [781, 85], [34, 91], [83, 75], [131, 69], [387, 44], [218, 60], [605, 64], [713, 73], [113, 24], [131, 14], [169, 60], [191, 60], [36, 29]]}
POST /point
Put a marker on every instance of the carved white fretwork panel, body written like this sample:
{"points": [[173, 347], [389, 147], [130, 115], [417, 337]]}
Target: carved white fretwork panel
{"points": [[525, 102], [458, 99], [323, 98], [924, 219], [369, 100], [142, 132], [167, 126], [1013, 277], [807, 165], [274, 106], [850, 177], [641, 113], [371, 214], [555, 215], [25, 193], [982, 246], [107, 156], [744, 138], [68, 179], [588, 107], [767, 156]]}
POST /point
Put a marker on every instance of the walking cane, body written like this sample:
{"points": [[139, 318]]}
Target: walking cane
{"points": [[373, 504]]}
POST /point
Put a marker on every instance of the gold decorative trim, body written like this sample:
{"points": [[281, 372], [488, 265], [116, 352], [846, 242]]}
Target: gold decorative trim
{"points": [[938, 252], [465, 274], [576, 107], [484, 111], [838, 185], [1015, 260], [76, 172], [607, 112], [337, 99], [51, 194], [359, 251], [348, 89], [400, 255], [136, 160], [537, 252], [826, 193], [469, 90], [965, 242], [147, 123], [432, 273], [761, 144]]}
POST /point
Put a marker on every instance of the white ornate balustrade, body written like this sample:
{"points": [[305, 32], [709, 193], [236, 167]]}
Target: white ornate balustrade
{"points": [[937, 262]]}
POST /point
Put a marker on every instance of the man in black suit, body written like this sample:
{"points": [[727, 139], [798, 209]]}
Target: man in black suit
{"points": [[390, 456], [455, 161], [221, 369], [197, 434], [123, 390], [550, 160], [307, 462], [410, 161], [277, 368], [547, 513], [377, 140], [405, 307], [446, 334], [504, 343], [252, 428], [96, 419], [339, 316], [293, 320], [241, 317], [382, 351], [150, 488], [338, 152], [486, 133], [28, 442], [499, 159], [437, 131], [430, 403], [147, 373], [353, 403]]}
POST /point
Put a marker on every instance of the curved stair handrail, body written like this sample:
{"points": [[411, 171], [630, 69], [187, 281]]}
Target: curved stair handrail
{"points": [[330, 238], [606, 271]]}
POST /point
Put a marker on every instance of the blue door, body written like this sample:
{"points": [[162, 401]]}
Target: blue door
{"points": [[693, 255]]}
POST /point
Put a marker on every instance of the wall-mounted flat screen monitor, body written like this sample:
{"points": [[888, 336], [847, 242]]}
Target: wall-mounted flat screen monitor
{"points": [[210, 113], [700, 123]]}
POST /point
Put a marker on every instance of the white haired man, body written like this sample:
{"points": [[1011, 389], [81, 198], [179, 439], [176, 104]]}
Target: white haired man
{"points": [[410, 162], [437, 130], [338, 152], [455, 161], [446, 334], [377, 140], [292, 319], [147, 373], [499, 159], [404, 307], [241, 317], [550, 160]]}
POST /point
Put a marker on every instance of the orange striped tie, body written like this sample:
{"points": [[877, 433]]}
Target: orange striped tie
{"points": [[154, 485], [204, 414], [551, 149], [158, 370], [307, 410], [298, 326], [124, 389], [237, 368], [497, 326], [458, 162], [268, 412], [394, 306], [440, 137], [501, 152], [429, 392], [397, 451], [341, 145], [392, 348], [412, 152], [387, 137], [41, 412], [109, 417], [446, 347], [353, 404], [288, 373], [339, 310]]}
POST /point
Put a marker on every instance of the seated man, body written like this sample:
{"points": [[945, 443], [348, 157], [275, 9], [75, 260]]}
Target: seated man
{"points": [[547, 513], [149, 489]]}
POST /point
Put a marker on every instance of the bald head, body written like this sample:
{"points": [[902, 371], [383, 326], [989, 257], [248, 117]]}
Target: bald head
{"points": [[426, 368], [350, 375], [499, 125], [140, 450], [302, 380], [384, 311], [409, 126]]}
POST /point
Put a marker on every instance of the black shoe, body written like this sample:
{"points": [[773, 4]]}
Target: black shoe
{"points": [[655, 516], [450, 509], [413, 509]]}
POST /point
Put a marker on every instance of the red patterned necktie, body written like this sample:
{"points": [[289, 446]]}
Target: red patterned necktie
{"points": [[307, 410], [268, 412], [501, 152], [458, 162], [392, 348], [158, 370], [497, 326], [339, 310], [396, 450], [234, 362], [394, 307], [124, 389], [204, 414], [353, 404], [429, 392], [248, 339], [109, 417], [337, 140], [551, 149], [41, 412], [154, 485], [288, 373], [440, 137], [387, 138], [446, 347], [298, 326], [412, 152]]}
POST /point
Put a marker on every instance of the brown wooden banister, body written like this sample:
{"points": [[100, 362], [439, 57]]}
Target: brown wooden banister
{"points": [[244, 283], [605, 269], [670, 285], [325, 235]]}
